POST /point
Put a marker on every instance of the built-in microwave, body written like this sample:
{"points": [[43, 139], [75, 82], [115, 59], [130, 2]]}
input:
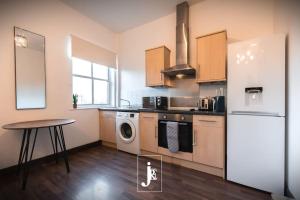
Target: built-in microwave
{"points": [[157, 103]]}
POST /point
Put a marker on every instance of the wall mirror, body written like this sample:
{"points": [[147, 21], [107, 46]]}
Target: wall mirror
{"points": [[30, 69]]}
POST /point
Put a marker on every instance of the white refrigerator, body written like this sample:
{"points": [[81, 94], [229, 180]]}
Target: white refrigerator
{"points": [[256, 113]]}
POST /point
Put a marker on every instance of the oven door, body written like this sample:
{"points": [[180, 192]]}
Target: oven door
{"points": [[185, 135]]}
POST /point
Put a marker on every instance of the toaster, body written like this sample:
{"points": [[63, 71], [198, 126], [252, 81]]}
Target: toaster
{"points": [[205, 104]]}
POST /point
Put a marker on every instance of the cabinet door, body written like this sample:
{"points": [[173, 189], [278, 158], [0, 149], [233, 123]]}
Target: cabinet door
{"points": [[209, 141], [211, 57], [218, 56], [203, 59], [108, 126], [148, 132], [154, 65]]}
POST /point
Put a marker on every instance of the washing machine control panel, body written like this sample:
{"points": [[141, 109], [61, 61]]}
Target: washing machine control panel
{"points": [[127, 115]]}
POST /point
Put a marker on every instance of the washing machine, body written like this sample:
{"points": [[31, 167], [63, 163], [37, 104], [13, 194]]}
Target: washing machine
{"points": [[127, 132]]}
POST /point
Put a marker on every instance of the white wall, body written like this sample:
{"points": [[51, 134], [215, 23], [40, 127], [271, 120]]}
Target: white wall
{"points": [[56, 22], [287, 17], [242, 20]]}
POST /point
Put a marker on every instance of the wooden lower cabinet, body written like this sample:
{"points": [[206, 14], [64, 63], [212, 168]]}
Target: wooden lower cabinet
{"points": [[179, 155], [108, 126], [148, 131], [209, 140]]}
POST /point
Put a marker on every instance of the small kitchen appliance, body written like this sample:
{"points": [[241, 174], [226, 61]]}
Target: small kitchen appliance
{"points": [[206, 104], [157, 103], [219, 103]]}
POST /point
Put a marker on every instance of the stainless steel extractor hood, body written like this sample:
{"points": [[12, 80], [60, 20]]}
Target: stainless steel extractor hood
{"points": [[182, 66]]}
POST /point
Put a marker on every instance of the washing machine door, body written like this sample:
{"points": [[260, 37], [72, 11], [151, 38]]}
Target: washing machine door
{"points": [[127, 131]]}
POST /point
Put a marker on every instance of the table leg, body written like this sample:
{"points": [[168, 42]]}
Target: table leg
{"points": [[54, 147], [61, 140], [56, 142], [21, 152], [28, 157], [58, 139], [25, 171], [33, 145], [65, 149]]}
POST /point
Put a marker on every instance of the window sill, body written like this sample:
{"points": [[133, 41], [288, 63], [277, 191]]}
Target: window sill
{"points": [[88, 107]]}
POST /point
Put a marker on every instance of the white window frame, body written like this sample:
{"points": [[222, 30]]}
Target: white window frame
{"points": [[92, 78]]}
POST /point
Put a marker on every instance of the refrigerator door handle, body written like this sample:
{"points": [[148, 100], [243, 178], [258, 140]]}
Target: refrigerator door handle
{"points": [[256, 113]]}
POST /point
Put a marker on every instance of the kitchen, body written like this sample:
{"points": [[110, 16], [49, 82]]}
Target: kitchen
{"points": [[204, 43]]}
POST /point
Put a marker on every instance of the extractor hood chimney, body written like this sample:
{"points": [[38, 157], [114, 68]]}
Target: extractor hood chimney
{"points": [[182, 66]]}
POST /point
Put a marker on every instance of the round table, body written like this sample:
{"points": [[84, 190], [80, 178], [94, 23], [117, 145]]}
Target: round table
{"points": [[57, 140]]}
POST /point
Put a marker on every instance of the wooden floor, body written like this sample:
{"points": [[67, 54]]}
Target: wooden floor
{"points": [[104, 173]]}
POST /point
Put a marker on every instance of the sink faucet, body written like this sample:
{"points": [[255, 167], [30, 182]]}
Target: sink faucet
{"points": [[126, 101]]}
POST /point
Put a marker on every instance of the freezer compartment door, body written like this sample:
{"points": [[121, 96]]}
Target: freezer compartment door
{"points": [[255, 151], [256, 75]]}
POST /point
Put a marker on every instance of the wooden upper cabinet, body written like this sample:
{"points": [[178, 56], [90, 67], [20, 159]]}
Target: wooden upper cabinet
{"points": [[148, 131], [211, 57], [209, 140], [157, 59], [108, 126]]}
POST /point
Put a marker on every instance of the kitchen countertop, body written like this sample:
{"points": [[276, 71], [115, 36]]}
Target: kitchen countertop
{"points": [[120, 109], [196, 112]]}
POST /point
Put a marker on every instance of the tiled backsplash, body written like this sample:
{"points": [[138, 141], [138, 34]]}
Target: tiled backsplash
{"points": [[211, 90], [183, 87], [184, 101]]}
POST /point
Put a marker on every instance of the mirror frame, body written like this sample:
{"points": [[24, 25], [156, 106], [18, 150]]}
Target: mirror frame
{"points": [[15, 60]]}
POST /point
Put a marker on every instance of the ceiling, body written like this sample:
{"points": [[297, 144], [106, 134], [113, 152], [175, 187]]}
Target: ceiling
{"points": [[121, 15]]}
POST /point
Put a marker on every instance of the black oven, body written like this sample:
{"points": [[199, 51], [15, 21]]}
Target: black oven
{"points": [[185, 131]]}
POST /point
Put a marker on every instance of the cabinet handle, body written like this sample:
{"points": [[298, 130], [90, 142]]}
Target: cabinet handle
{"points": [[156, 130], [203, 120], [161, 76], [147, 117], [194, 138], [197, 71]]}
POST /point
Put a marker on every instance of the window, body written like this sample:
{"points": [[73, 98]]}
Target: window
{"points": [[93, 83]]}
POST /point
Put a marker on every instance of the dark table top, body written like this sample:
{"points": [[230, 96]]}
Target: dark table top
{"points": [[38, 124]]}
